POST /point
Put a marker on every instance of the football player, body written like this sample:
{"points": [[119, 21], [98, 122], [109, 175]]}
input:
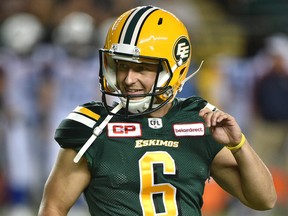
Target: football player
{"points": [[142, 150]]}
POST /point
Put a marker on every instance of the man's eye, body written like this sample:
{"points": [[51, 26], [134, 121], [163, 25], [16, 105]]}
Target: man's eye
{"points": [[123, 66], [144, 68], [140, 68]]}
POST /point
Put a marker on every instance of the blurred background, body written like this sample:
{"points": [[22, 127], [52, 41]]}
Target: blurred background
{"points": [[49, 65]]}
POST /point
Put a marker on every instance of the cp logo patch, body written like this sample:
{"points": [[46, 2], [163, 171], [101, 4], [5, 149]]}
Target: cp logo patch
{"points": [[124, 130]]}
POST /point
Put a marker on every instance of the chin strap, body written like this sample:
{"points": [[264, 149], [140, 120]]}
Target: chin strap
{"points": [[190, 76], [96, 132]]}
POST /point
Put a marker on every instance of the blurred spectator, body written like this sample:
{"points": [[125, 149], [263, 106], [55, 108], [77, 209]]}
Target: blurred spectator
{"points": [[270, 122], [3, 173], [75, 71], [272, 89], [271, 104], [21, 34]]}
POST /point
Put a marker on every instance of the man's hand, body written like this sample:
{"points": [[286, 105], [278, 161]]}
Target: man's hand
{"points": [[223, 127]]}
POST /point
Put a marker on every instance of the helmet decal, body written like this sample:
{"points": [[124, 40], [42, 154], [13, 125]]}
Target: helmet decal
{"points": [[182, 49], [133, 24]]}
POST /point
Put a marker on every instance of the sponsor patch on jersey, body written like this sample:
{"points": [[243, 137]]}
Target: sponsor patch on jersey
{"points": [[189, 129], [124, 130], [155, 123]]}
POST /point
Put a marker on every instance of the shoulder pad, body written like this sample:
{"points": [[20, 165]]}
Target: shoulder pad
{"points": [[78, 126], [192, 103]]}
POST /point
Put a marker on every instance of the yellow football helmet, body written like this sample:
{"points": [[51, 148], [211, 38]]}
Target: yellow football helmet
{"points": [[145, 34]]}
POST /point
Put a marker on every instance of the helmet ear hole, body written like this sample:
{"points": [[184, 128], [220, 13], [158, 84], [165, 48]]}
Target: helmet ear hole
{"points": [[180, 84], [182, 71]]}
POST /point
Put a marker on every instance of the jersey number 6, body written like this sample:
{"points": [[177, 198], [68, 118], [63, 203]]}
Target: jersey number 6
{"points": [[149, 188]]}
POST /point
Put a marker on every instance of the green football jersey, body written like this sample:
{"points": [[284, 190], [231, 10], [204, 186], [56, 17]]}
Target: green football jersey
{"points": [[144, 166]]}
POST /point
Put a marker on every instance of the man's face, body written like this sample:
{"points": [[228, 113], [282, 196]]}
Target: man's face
{"points": [[135, 78]]}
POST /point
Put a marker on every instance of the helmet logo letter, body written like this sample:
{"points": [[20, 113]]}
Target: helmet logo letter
{"points": [[182, 49]]}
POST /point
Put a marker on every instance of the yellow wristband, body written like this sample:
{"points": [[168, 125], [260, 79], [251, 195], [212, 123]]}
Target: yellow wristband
{"points": [[243, 139]]}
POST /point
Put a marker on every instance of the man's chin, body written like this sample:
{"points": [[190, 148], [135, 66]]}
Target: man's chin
{"points": [[136, 98]]}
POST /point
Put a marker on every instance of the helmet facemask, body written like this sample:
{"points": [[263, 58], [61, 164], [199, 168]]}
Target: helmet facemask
{"points": [[160, 94]]}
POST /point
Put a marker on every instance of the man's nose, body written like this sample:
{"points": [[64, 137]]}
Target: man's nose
{"points": [[131, 77]]}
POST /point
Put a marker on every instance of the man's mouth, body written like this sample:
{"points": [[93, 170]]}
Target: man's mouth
{"points": [[134, 91]]}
